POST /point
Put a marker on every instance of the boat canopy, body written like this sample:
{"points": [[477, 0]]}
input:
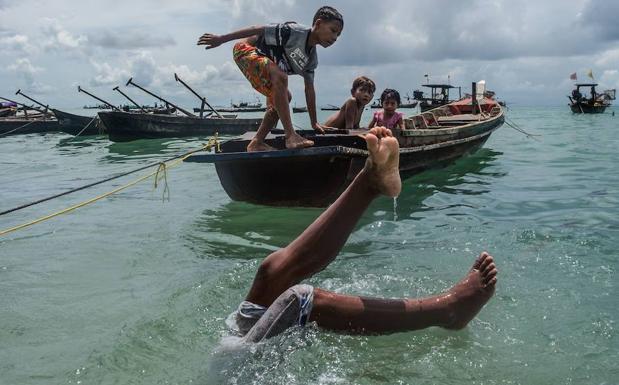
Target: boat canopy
{"points": [[438, 86]]}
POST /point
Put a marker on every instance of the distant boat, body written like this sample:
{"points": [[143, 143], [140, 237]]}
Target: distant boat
{"points": [[407, 104], [595, 103], [241, 107], [76, 124], [439, 96], [125, 126], [299, 109], [330, 107], [37, 124]]}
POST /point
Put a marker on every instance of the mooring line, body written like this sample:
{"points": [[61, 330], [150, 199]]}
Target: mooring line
{"points": [[83, 129], [176, 160], [517, 128], [161, 166], [18, 128]]}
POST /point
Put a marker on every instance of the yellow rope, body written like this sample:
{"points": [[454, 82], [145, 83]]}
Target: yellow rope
{"points": [[162, 166]]}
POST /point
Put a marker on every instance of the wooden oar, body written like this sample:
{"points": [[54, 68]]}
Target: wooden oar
{"points": [[202, 99], [130, 81], [131, 100], [113, 107], [32, 100]]}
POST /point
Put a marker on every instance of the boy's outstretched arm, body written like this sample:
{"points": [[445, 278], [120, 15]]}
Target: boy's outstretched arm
{"points": [[212, 41]]}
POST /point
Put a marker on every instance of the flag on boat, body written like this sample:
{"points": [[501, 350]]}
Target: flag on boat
{"points": [[573, 76], [590, 74]]}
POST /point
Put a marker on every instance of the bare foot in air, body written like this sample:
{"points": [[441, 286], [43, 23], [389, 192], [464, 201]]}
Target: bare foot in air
{"points": [[468, 296], [382, 166], [297, 141], [256, 145]]}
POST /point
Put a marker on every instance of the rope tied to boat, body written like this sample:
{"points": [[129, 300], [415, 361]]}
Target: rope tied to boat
{"points": [[164, 175], [84, 129], [18, 128], [517, 128], [161, 168], [213, 142]]}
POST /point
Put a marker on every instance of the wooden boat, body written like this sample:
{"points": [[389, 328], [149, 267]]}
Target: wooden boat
{"points": [[77, 124], [316, 176], [296, 109], [124, 126], [439, 96], [330, 107], [596, 103], [27, 125], [407, 104]]}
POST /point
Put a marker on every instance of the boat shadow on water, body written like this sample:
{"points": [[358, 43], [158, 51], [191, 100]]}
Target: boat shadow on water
{"points": [[247, 231]]}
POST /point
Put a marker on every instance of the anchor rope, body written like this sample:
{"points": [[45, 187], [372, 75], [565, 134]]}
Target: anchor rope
{"points": [[84, 129], [170, 162]]}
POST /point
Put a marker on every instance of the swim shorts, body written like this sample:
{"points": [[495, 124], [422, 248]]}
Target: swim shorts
{"points": [[291, 308], [255, 67]]}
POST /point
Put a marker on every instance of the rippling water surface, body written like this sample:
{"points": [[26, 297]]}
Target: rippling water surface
{"points": [[135, 290]]}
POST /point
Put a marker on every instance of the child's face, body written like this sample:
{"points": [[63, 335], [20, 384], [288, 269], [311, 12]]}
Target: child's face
{"points": [[327, 32], [390, 105], [363, 94]]}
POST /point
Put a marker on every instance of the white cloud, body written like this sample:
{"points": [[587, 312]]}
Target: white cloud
{"points": [[59, 39], [27, 71], [19, 44]]}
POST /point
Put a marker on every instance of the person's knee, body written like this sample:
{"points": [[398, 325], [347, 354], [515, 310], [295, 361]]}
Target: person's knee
{"points": [[271, 268]]}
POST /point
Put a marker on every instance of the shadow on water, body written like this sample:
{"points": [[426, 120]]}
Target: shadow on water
{"points": [[246, 231], [74, 144], [243, 230]]}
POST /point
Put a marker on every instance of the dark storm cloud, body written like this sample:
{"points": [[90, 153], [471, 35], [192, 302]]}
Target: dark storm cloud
{"points": [[601, 16], [129, 39]]}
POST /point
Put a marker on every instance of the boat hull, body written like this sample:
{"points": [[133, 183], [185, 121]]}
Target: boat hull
{"points": [[17, 126], [76, 124], [125, 126], [315, 177], [584, 108]]}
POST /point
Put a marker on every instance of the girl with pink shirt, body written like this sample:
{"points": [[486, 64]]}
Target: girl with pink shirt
{"points": [[388, 116]]}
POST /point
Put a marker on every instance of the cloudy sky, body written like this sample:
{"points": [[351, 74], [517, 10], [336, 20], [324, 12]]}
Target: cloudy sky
{"points": [[524, 49]]}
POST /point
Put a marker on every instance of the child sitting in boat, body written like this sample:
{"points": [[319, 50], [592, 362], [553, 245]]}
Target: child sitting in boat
{"points": [[266, 55], [349, 115], [388, 116]]}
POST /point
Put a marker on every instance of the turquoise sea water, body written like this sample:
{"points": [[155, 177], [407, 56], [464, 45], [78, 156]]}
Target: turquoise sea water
{"points": [[135, 290]]}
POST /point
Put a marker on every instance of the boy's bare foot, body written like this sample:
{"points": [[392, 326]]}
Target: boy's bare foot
{"points": [[256, 145], [468, 296], [297, 141], [382, 166]]}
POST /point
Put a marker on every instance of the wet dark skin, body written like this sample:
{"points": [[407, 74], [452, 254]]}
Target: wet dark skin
{"points": [[324, 33], [320, 243], [349, 115]]}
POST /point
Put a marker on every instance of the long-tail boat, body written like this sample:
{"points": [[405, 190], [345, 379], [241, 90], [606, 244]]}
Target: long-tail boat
{"points": [[439, 96], [595, 103], [315, 176], [125, 126]]}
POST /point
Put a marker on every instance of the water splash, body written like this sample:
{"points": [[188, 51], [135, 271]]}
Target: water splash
{"points": [[395, 208]]}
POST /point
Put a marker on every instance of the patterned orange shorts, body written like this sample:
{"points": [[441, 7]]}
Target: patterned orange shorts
{"points": [[255, 67]]}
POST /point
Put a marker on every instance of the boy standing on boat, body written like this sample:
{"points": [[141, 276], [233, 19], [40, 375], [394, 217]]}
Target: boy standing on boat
{"points": [[268, 54], [349, 116]]}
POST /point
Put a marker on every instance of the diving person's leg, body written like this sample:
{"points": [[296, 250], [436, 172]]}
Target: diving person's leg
{"points": [[453, 309], [320, 243]]}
